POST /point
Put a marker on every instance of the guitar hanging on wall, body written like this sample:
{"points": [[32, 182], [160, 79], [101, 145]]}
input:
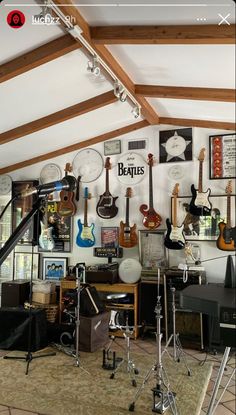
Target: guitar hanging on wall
{"points": [[106, 207], [127, 234], [227, 238], [46, 240], [200, 204], [151, 218], [85, 237], [174, 238], [66, 206]]}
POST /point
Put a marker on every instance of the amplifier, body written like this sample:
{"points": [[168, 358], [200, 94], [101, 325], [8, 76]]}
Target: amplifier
{"points": [[102, 273], [108, 252], [228, 326], [15, 293]]}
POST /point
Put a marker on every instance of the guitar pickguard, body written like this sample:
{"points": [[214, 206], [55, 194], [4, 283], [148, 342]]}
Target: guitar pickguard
{"points": [[46, 240], [202, 199], [176, 234]]}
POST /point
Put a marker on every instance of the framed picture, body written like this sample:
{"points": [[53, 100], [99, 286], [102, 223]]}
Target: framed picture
{"points": [[54, 268], [204, 228], [222, 150], [112, 147], [175, 145], [152, 251], [24, 264], [110, 237]]}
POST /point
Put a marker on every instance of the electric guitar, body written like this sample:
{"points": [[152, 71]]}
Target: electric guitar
{"points": [[127, 234], [174, 238], [227, 238], [85, 237], [200, 204], [66, 206], [46, 240], [151, 218], [106, 207]]}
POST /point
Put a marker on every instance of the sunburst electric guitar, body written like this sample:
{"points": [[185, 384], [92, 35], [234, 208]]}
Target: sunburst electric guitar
{"points": [[227, 237], [151, 218], [127, 234], [174, 238], [106, 207], [85, 237], [200, 204]]}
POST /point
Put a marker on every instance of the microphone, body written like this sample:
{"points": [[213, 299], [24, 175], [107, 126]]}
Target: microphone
{"points": [[67, 183]]}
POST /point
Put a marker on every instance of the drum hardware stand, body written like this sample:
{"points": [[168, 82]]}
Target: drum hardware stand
{"points": [[177, 346], [131, 369], [162, 400], [106, 357]]}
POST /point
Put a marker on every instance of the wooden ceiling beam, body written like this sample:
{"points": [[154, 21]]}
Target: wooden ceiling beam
{"points": [[38, 56], [179, 92], [169, 35], [182, 122], [59, 116], [86, 143]]}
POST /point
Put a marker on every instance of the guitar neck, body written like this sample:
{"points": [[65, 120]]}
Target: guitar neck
{"points": [[107, 182], [85, 212], [200, 176], [228, 220], [127, 212], [150, 188], [174, 212]]}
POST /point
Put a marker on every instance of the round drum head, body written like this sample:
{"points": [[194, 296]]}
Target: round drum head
{"points": [[130, 270]]}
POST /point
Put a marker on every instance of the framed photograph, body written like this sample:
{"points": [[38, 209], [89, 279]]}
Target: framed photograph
{"points": [[222, 150], [152, 251], [54, 268], [175, 145], [110, 237], [112, 147], [24, 264], [204, 228]]}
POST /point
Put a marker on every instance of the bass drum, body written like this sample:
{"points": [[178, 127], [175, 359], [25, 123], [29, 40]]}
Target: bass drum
{"points": [[118, 318]]}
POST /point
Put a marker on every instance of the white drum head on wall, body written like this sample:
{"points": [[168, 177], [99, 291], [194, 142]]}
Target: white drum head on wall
{"points": [[131, 168], [130, 270]]}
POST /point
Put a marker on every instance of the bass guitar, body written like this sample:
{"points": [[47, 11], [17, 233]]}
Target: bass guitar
{"points": [[46, 241], [174, 238], [127, 234], [200, 204], [66, 206], [85, 237], [227, 238], [151, 218], [106, 207]]}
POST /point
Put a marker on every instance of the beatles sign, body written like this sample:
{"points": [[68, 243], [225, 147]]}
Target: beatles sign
{"points": [[131, 168]]}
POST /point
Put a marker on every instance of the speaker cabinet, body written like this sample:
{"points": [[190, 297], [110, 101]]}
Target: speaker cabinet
{"points": [[15, 293]]}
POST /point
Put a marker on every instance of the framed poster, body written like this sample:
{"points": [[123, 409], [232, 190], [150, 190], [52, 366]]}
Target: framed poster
{"points": [[23, 265], [112, 147], [54, 268], [204, 228], [175, 145], [109, 237], [152, 251], [222, 149]]}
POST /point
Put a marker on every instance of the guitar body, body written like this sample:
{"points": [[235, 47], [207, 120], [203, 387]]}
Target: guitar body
{"points": [[46, 240], [151, 218], [200, 204], [85, 237], [66, 206], [174, 238], [127, 235], [227, 238], [106, 207]]}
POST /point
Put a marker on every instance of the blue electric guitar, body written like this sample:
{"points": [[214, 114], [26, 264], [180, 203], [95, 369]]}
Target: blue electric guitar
{"points": [[85, 237]]}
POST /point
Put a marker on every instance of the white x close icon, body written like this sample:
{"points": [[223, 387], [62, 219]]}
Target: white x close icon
{"points": [[223, 19]]}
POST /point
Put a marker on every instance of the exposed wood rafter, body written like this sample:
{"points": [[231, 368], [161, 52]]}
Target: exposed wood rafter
{"points": [[59, 116], [202, 94], [221, 125], [136, 35], [77, 146], [37, 57]]}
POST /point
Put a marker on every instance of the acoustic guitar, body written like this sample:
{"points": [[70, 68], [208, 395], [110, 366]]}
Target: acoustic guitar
{"points": [[227, 238], [46, 241], [66, 206], [85, 237], [106, 207], [151, 218], [174, 238], [127, 234], [200, 204]]}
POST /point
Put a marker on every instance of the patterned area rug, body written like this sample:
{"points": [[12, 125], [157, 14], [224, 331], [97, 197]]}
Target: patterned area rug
{"points": [[55, 386]]}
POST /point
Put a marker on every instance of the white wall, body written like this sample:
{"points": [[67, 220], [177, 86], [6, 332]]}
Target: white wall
{"points": [[163, 187]]}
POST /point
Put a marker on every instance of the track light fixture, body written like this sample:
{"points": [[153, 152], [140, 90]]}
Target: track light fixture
{"points": [[119, 91], [136, 111], [94, 66]]}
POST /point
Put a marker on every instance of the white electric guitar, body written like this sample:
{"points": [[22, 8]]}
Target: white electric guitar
{"points": [[46, 240], [200, 204], [174, 238]]}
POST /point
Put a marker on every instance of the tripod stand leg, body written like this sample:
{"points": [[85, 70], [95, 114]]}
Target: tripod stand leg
{"points": [[141, 387], [181, 353]]}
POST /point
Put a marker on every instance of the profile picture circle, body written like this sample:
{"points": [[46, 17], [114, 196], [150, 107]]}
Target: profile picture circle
{"points": [[16, 19]]}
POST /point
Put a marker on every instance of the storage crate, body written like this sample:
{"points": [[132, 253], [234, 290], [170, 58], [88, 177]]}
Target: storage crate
{"points": [[50, 309]]}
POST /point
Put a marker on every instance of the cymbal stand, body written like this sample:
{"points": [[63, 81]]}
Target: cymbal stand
{"points": [[131, 369], [163, 397], [177, 346]]}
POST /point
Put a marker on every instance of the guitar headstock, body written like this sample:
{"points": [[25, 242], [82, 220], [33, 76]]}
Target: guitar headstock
{"points": [[228, 188], [68, 168], [128, 192], [201, 156], [176, 190], [107, 163], [86, 193], [150, 159]]}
